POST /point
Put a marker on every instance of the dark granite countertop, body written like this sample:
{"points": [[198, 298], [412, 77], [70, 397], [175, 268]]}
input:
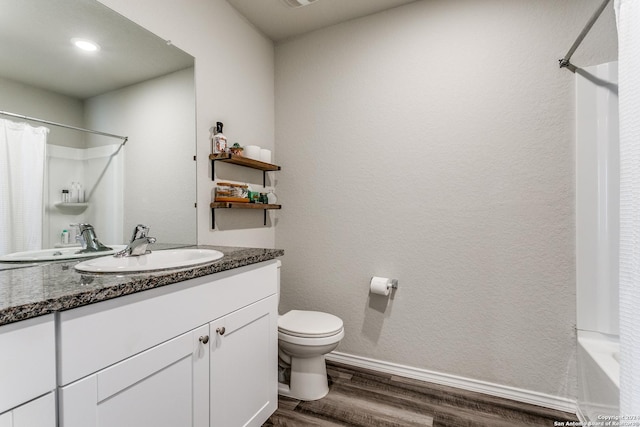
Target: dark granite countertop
{"points": [[56, 286]]}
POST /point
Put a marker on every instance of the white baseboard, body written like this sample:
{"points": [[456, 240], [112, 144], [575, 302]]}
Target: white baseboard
{"points": [[507, 392], [581, 417]]}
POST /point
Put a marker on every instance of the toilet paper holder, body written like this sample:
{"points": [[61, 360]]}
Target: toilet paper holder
{"points": [[394, 282], [382, 285]]}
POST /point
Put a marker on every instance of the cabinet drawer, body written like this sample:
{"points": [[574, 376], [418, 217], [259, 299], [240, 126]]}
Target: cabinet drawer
{"points": [[27, 361], [96, 336]]}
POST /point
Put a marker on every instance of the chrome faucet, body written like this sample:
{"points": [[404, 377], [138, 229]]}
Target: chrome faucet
{"points": [[138, 244], [89, 240]]}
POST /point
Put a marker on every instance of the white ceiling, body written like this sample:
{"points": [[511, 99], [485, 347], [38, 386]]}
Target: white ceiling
{"points": [[36, 50], [35, 35], [279, 22]]}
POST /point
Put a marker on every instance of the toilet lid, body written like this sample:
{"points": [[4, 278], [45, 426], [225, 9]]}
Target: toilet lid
{"points": [[309, 324]]}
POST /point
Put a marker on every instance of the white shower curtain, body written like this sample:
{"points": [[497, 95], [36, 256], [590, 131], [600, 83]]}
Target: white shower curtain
{"points": [[22, 162], [628, 19]]}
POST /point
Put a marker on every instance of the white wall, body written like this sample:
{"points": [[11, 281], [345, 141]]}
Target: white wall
{"points": [[234, 85], [434, 143]]}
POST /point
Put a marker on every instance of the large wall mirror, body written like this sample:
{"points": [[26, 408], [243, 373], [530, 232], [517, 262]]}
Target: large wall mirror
{"points": [[136, 85]]}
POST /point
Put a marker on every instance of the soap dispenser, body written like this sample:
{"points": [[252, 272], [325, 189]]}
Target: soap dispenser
{"points": [[219, 140]]}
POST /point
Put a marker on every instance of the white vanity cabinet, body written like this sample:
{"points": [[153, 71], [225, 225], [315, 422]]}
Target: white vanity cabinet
{"points": [[154, 358], [28, 373]]}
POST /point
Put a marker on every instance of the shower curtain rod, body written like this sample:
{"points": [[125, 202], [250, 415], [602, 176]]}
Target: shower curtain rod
{"points": [[566, 61], [33, 119]]}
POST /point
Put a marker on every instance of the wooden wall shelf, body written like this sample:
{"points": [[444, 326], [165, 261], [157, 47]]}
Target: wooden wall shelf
{"points": [[231, 205], [242, 205], [249, 163], [242, 161]]}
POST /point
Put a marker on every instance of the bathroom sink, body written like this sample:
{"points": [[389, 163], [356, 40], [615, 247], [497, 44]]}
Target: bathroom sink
{"points": [[55, 254], [157, 260]]}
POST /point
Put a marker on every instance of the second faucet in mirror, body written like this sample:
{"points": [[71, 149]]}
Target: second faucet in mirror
{"points": [[89, 240]]}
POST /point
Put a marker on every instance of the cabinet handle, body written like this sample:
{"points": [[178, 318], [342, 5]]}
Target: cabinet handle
{"points": [[204, 339], [221, 330]]}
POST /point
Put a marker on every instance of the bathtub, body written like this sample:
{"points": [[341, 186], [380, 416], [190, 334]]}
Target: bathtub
{"points": [[598, 376]]}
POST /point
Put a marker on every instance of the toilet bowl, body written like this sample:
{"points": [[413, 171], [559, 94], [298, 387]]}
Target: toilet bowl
{"points": [[304, 337]]}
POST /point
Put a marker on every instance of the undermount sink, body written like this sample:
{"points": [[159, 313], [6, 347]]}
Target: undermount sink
{"points": [[56, 254], [157, 260]]}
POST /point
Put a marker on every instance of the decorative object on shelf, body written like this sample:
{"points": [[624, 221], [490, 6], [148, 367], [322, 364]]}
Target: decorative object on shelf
{"points": [[218, 140], [236, 150], [254, 197], [228, 192]]}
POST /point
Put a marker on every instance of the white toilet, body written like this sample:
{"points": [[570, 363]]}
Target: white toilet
{"points": [[304, 337]]}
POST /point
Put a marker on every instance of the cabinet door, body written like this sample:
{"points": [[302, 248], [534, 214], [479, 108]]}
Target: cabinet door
{"points": [[244, 365], [166, 385], [27, 361], [40, 412]]}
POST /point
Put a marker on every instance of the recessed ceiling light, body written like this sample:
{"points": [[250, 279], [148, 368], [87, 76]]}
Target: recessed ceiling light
{"points": [[85, 44]]}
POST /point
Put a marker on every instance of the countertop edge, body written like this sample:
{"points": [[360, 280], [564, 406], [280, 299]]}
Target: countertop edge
{"points": [[133, 283]]}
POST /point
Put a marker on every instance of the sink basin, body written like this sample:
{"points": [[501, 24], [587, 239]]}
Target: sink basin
{"points": [[157, 260], [55, 254]]}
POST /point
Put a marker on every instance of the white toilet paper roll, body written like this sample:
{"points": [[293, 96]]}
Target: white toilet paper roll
{"points": [[252, 152], [380, 286], [265, 155]]}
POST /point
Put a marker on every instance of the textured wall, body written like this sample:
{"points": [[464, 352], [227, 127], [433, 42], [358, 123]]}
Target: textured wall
{"points": [[234, 76], [434, 143]]}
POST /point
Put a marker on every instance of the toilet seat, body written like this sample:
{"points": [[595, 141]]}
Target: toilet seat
{"points": [[309, 324]]}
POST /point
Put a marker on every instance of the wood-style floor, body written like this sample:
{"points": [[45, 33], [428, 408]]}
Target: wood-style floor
{"points": [[359, 397]]}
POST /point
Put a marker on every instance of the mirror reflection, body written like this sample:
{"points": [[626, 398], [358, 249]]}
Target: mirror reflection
{"points": [[133, 84]]}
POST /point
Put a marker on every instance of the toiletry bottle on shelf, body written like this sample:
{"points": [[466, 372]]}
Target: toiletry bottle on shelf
{"points": [[219, 140], [271, 197], [65, 196], [73, 194], [80, 193]]}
